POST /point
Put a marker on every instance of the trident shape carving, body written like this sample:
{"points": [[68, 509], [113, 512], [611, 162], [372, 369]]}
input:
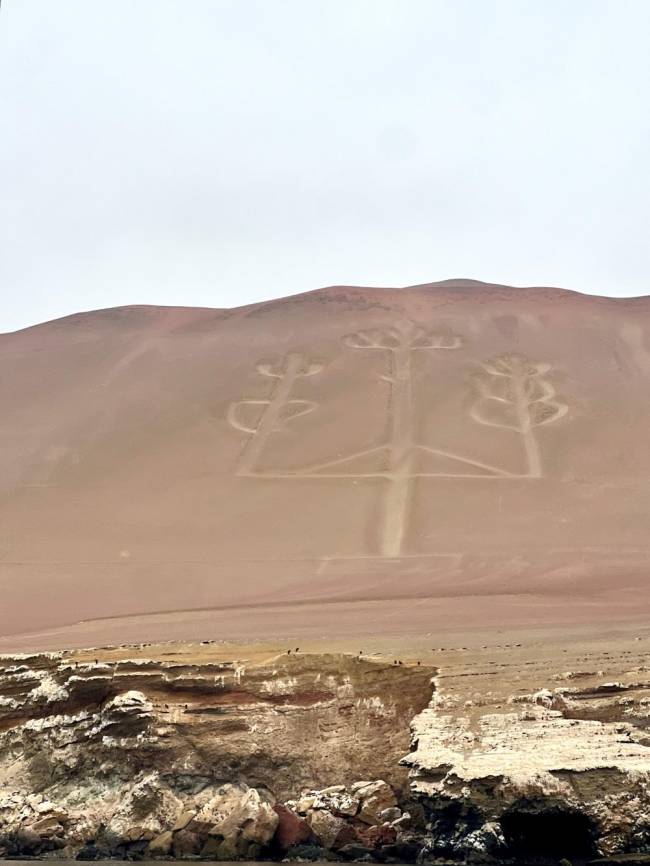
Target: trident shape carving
{"points": [[277, 410], [514, 395], [404, 335]]}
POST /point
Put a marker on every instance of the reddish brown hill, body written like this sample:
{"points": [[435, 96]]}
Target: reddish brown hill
{"points": [[344, 460]]}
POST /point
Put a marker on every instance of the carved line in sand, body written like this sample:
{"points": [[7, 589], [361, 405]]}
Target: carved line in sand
{"points": [[279, 408], [400, 341], [512, 394]]}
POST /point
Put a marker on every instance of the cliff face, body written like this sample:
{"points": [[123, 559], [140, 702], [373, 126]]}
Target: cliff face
{"points": [[114, 754], [563, 770], [294, 722], [308, 755]]}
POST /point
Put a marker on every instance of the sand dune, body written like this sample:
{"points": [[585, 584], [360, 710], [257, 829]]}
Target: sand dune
{"points": [[350, 459]]}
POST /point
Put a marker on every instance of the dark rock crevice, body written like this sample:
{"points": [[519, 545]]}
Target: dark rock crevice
{"points": [[537, 831]]}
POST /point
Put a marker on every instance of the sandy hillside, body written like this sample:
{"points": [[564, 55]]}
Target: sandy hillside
{"points": [[345, 461]]}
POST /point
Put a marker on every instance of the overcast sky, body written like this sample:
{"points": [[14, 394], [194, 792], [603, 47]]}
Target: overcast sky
{"points": [[218, 152]]}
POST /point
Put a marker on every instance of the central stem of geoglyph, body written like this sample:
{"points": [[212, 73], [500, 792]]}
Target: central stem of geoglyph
{"points": [[400, 341], [400, 453]]}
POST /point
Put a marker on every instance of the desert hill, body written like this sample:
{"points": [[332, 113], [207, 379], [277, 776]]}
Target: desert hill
{"points": [[347, 460]]}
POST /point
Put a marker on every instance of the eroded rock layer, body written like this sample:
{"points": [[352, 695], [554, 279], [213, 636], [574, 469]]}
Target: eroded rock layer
{"points": [[496, 752], [562, 770], [137, 756]]}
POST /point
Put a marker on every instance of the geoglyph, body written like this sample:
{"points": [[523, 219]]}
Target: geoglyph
{"points": [[512, 392]]}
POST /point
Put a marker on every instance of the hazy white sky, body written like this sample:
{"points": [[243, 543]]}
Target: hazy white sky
{"points": [[218, 152]]}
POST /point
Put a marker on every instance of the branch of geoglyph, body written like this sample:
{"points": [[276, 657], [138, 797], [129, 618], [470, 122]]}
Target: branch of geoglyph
{"points": [[278, 371], [279, 408], [231, 415], [289, 411], [516, 385], [412, 337]]}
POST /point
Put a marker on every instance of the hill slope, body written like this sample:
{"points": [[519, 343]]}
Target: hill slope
{"points": [[347, 460]]}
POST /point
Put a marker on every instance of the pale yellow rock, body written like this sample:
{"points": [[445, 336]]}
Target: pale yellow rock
{"points": [[375, 797], [162, 844], [237, 811], [183, 820], [326, 826], [336, 801]]}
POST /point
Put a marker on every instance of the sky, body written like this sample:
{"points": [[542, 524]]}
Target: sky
{"points": [[220, 152]]}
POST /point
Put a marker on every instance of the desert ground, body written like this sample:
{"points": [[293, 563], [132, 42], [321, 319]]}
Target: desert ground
{"points": [[343, 464]]}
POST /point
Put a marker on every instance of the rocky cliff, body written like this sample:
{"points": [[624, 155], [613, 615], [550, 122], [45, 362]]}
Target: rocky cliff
{"points": [[561, 771], [140, 756], [329, 755]]}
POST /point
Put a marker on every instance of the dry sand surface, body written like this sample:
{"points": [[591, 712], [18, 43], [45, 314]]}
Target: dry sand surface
{"points": [[351, 461]]}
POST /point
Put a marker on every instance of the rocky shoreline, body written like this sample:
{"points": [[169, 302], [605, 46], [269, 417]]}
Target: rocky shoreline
{"points": [[227, 822], [315, 757]]}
